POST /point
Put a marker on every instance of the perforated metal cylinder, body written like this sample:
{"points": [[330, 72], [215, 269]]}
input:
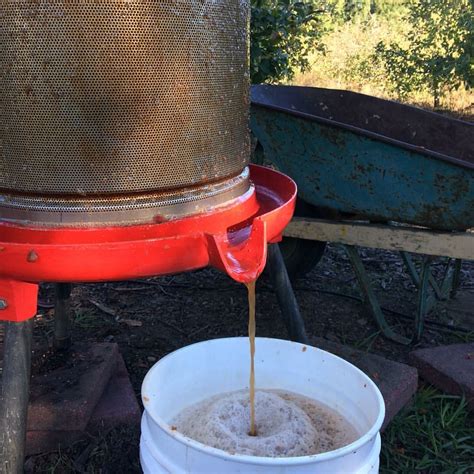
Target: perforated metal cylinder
{"points": [[116, 105]]}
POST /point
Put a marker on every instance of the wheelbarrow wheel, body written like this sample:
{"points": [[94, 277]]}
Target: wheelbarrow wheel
{"points": [[301, 255]]}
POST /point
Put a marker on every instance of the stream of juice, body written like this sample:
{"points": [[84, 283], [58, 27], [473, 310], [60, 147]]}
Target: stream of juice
{"points": [[251, 297]]}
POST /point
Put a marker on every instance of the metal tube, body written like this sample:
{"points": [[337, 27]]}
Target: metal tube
{"points": [[14, 395], [286, 297], [62, 321]]}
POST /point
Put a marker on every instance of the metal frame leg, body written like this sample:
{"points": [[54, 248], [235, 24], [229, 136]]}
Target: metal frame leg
{"points": [[286, 296], [371, 298], [449, 283], [449, 279], [62, 321], [15, 394], [456, 277], [18, 303], [423, 300], [423, 282], [416, 277]]}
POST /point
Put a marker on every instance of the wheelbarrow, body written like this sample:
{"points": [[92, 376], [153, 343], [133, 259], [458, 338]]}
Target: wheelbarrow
{"points": [[374, 173]]}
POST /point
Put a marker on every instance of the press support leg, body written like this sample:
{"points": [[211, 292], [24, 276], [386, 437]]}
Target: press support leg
{"points": [[286, 297], [14, 399], [18, 302], [62, 322]]}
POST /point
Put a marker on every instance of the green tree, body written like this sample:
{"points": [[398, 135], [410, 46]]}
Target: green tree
{"points": [[437, 54], [341, 11], [336, 9], [354, 8], [387, 7], [283, 33]]}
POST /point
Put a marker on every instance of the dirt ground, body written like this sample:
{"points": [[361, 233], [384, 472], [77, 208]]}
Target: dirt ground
{"points": [[151, 318]]}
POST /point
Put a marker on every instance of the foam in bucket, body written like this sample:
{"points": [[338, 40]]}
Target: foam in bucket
{"points": [[287, 424]]}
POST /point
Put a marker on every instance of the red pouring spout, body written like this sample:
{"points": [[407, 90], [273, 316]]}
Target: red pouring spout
{"points": [[242, 251], [232, 238], [242, 254]]}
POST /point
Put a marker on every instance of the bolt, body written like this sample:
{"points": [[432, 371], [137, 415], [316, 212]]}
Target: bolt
{"points": [[32, 256], [3, 304]]}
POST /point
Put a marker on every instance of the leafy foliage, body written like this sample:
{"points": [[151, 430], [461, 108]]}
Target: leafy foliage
{"points": [[357, 7], [283, 33], [437, 54], [387, 7], [342, 11]]}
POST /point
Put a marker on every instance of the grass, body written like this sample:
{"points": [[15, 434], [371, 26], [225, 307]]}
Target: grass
{"points": [[433, 435], [367, 343]]}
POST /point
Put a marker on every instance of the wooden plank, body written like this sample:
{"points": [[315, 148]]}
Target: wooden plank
{"points": [[410, 239]]}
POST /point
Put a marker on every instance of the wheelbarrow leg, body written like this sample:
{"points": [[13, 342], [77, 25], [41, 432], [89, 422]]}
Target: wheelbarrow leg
{"points": [[62, 325], [456, 277], [371, 298], [15, 392], [285, 295], [415, 277], [423, 300], [449, 283]]}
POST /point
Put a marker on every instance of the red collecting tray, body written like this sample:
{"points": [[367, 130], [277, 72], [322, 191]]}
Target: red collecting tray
{"points": [[232, 238]]}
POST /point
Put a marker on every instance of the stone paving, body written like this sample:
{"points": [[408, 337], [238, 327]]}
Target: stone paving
{"points": [[450, 368], [89, 394], [397, 382]]}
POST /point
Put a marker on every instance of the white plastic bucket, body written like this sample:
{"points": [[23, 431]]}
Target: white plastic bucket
{"points": [[199, 371]]}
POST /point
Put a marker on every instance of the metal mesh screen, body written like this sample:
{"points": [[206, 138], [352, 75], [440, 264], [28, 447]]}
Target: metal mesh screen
{"points": [[104, 97]]}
